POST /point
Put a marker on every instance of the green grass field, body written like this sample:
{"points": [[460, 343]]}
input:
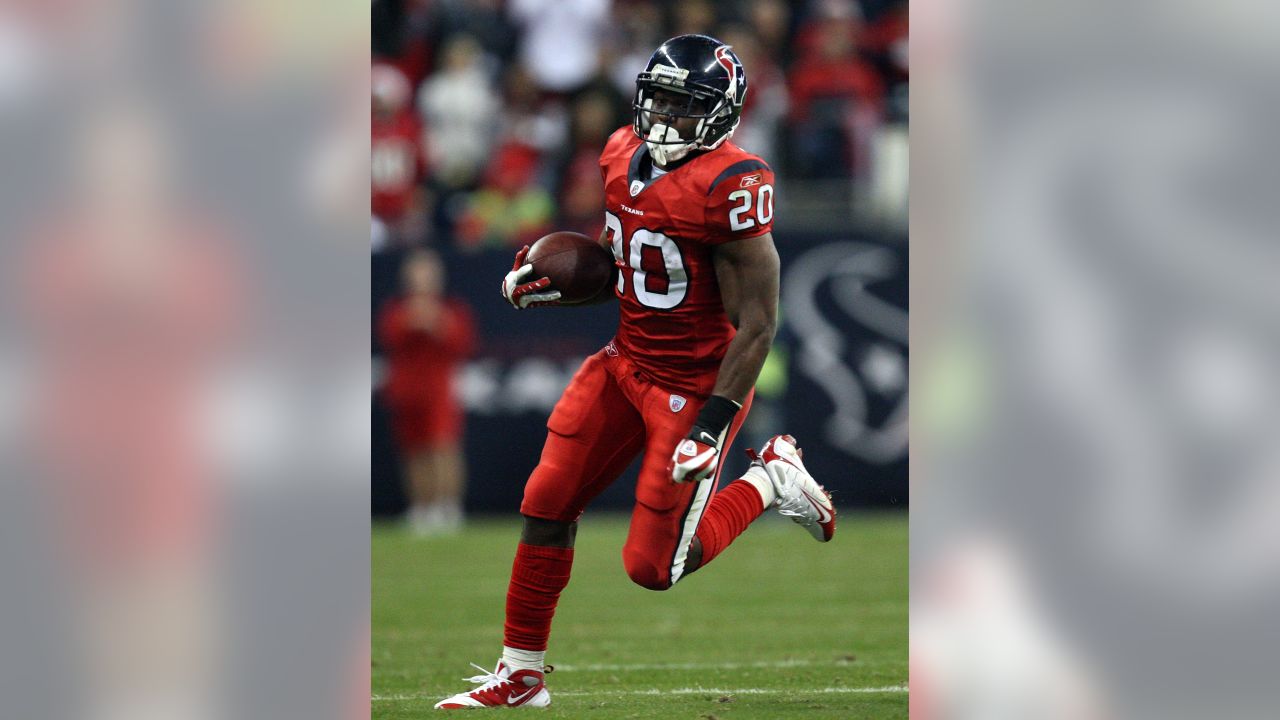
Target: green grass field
{"points": [[777, 627]]}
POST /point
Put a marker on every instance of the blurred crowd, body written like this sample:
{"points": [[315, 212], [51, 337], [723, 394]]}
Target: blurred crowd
{"points": [[488, 116]]}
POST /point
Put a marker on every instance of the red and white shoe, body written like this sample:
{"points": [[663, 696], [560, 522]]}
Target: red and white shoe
{"points": [[799, 496], [501, 688]]}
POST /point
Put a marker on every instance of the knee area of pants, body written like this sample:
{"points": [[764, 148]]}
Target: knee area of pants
{"points": [[646, 575]]}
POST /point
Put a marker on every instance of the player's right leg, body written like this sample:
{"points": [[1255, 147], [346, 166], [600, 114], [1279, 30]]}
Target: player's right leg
{"points": [[592, 435]]}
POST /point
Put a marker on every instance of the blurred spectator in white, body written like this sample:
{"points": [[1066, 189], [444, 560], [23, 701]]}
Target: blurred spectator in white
{"points": [[396, 152], [426, 336], [461, 111], [836, 96], [561, 41], [766, 104]]}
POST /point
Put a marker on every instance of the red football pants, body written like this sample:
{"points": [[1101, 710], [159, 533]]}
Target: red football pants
{"points": [[607, 416]]}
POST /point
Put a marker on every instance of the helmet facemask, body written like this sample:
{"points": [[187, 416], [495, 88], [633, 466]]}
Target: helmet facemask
{"points": [[712, 109]]}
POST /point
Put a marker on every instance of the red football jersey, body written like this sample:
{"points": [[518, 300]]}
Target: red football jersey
{"points": [[397, 164], [663, 231]]}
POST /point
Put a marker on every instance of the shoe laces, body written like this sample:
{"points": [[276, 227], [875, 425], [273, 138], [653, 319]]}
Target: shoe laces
{"points": [[488, 679], [793, 506]]}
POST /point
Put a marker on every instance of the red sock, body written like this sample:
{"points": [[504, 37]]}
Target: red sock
{"points": [[537, 577], [730, 512]]}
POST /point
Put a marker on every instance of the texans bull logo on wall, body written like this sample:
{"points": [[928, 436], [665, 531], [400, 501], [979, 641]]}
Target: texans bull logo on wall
{"points": [[844, 308]]}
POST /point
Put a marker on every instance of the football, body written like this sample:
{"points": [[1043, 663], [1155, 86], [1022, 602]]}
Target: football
{"points": [[577, 266]]}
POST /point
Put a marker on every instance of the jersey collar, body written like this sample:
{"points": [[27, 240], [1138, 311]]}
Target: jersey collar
{"points": [[640, 170]]}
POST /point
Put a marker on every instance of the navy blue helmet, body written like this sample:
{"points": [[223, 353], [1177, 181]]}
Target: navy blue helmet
{"points": [[708, 77]]}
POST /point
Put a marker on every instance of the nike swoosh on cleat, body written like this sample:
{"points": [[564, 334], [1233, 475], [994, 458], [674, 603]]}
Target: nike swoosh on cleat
{"points": [[823, 515], [517, 698]]}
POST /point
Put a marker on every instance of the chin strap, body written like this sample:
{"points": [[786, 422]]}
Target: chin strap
{"points": [[660, 141]]}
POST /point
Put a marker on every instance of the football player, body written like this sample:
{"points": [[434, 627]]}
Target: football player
{"points": [[688, 217]]}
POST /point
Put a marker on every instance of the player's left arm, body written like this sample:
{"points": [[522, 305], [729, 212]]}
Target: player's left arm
{"points": [[747, 271]]}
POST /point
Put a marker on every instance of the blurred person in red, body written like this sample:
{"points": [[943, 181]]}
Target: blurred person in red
{"points": [[426, 336], [397, 196], [836, 96]]}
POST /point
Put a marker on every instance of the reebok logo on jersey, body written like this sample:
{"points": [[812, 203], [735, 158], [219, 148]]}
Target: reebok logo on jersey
{"points": [[677, 403], [689, 447], [750, 180]]}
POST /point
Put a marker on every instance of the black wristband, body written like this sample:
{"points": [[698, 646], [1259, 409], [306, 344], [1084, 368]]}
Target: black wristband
{"points": [[716, 415]]}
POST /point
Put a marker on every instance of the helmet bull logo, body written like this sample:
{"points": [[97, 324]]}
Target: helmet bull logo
{"points": [[726, 61]]}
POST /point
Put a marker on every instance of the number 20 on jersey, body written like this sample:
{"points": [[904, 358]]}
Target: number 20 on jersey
{"points": [[659, 277]]}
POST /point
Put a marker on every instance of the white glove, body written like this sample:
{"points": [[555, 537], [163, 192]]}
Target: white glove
{"points": [[522, 293], [698, 454], [695, 458]]}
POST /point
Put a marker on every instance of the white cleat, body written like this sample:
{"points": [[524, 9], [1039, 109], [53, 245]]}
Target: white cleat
{"points": [[501, 688], [799, 496]]}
